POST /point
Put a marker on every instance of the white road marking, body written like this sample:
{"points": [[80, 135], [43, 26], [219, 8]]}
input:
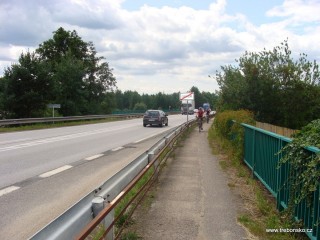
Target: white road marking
{"points": [[8, 190], [14, 141], [117, 149], [61, 138], [141, 140], [55, 171], [93, 157]]}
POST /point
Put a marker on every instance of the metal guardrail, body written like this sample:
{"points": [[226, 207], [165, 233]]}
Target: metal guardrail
{"points": [[69, 224], [20, 121], [8, 122], [262, 157]]}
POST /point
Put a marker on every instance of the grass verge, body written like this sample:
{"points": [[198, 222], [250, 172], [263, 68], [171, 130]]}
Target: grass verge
{"points": [[125, 219], [259, 211]]}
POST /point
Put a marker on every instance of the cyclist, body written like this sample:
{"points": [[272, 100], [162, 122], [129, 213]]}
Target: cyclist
{"points": [[208, 114], [200, 117]]}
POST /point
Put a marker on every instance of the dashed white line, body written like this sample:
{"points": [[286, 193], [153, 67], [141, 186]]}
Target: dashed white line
{"points": [[55, 171], [60, 138], [141, 140], [8, 190], [93, 157], [14, 141], [117, 149]]}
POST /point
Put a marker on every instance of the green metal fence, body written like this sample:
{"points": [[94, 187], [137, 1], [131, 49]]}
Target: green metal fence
{"points": [[262, 157]]}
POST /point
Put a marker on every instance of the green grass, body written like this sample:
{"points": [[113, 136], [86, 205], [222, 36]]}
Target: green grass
{"points": [[130, 236], [124, 220], [250, 223], [97, 233], [260, 211], [124, 202]]}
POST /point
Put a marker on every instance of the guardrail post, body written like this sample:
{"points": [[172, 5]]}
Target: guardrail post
{"points": [[107, 222], [98, 203]]}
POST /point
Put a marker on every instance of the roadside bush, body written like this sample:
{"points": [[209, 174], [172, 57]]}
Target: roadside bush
{"points": [[304, 172], [141, 106], [227, 125], [227, 122]]}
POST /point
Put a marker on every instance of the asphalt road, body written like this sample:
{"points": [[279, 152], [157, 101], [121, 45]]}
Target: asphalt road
{"points": [[44, 172]]}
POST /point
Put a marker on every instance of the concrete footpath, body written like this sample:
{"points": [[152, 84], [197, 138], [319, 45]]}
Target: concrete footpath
{"points": [[192, 199]]}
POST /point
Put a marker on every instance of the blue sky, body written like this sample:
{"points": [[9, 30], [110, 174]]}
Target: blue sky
{"points": [[161, 45]]}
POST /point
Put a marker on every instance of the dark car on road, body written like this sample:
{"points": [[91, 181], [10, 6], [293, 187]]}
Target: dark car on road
{"points": [[155, 117]]}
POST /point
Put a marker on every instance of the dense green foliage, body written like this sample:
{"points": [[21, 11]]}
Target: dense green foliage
{"points": [[277, 89], [227, 125], [132, 100], [227, 122], [26, 86], [63, 70], [204, 97], [304, 164]]}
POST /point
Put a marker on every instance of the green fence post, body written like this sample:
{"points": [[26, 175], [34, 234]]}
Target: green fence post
{"points": [[253, 152], [279, 181]]}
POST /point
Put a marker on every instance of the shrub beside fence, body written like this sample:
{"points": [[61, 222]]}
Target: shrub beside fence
{"points": [[261, 154]]}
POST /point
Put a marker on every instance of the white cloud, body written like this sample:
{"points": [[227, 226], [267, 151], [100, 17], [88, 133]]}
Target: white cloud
{"points": [[162, 49], [87, 14], [298, 11]]}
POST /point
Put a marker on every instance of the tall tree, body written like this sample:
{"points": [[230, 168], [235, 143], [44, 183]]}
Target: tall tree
{"points": [[198, 97], [3, 97], [70, 89], [29, 87], [96, 74], [277, 88]]}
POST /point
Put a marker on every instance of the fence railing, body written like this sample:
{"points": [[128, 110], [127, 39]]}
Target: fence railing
{"points": [[287, 132], [262, 156]]}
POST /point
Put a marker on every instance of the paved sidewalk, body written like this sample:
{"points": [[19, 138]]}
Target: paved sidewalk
{"points": [[192, 199]]}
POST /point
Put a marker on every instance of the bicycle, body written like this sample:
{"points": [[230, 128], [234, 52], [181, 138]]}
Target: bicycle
{"points": [[207, 118]]}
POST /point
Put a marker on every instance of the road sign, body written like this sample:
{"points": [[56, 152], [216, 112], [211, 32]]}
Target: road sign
{"points": [[54, 105], [187, 96]]}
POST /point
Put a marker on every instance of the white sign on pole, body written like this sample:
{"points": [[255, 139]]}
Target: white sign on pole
{"points": [[187, 96], [53, 106]]}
